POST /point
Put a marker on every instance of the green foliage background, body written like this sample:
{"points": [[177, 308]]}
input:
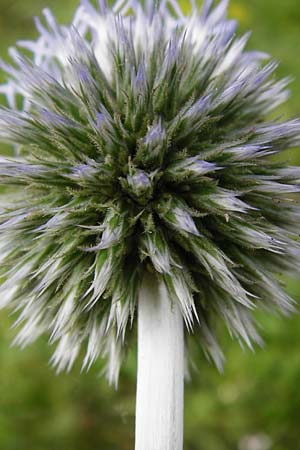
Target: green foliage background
{"points": [[255, 405]]}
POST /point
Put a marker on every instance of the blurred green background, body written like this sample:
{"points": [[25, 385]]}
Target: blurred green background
{"points": [[254, 405]]}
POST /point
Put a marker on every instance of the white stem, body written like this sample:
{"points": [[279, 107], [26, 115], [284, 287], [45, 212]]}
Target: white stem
{"points": [[160, 379]]}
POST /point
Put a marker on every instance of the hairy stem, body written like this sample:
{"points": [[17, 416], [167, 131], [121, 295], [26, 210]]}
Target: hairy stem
{"points": [[160, 381]]}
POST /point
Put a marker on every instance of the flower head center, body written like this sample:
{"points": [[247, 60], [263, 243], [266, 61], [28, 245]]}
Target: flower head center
{"points": [[139, 185]]}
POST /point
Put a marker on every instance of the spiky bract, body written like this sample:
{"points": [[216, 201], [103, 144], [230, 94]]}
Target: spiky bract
{"points": [[144, 144]]}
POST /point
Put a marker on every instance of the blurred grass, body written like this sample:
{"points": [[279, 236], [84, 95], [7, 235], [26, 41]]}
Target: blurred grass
{"points": [[254, 406]]}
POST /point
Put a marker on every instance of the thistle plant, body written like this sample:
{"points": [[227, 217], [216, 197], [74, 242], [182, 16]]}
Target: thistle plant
{"points": [[144, 179]]}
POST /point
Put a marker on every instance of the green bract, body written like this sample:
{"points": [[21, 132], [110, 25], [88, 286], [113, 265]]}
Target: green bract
{"points": [[143, 145]]}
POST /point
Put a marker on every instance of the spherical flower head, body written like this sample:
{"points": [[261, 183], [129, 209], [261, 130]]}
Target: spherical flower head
{"points": [[144, 143]]}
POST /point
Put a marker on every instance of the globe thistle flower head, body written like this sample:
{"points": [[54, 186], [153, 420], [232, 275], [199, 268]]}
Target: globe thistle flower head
{"points": [[143, 144]]}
